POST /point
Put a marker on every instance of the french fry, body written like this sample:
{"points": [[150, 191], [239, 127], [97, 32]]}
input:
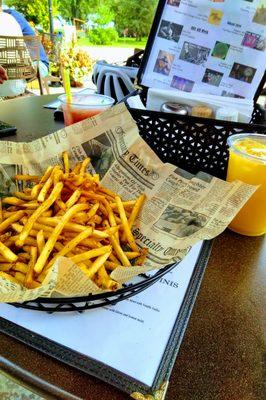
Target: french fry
{"points": [[84, 166], [7, 253], [96, 265], [93, 211], [127, 231], [76, 169], [93, 244], [111, 217], [18, 228], [24, 257], [136, 209], [12, 201], [7, 214], [114, 259], [73, 199], [127, 205], [66, 162], [91, 254], [9, 277], [34, 285], [6, 266], [40, 241], [47, 213], [33, 218], [108, 192], [44, 190], [23, 196], [43, 227], [119, 252], [143, 255], [57, 175], [49, 245], [110, 265], [1, 211], [30, 241], [5, 236], [70, 185], [97, 219], [30, 178], [71, 245], [26, 248], [61, 204], [103, 280], [20, 277], [58, 246], [36, 190], [30, 273], [82, 170], [32, 205], [47, 174], [20, 267], [132, 254], [93, 196], [70, 226]]}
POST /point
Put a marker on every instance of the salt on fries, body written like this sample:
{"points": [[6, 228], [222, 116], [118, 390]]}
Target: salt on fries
{"points": [[67, 213]]}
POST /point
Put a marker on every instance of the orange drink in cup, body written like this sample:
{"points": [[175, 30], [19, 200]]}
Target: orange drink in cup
{"points": [[82, 106], [247, 163]]}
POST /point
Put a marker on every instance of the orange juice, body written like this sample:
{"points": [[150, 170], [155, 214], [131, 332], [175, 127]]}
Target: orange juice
{"points": [[247, 163]]}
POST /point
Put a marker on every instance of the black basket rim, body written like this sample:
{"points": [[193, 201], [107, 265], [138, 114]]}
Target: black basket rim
{"points": [[105, 295]]}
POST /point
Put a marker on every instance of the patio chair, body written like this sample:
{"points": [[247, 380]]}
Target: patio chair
{"points": [[114, 80], [20, 56]]}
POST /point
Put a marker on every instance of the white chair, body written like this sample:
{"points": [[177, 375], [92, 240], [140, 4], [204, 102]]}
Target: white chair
{"points": [[114, 80]]}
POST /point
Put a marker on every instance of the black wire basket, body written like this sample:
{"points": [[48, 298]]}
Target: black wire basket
{"points": [[140, 283], [192, 143]]}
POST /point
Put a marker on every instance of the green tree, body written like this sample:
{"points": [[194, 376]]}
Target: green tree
{"points": [[103, 13], [34, 10], [134, 15], [80, 9]]}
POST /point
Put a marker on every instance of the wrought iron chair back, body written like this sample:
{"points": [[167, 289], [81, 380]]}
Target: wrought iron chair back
{"points": [[18, 54]]}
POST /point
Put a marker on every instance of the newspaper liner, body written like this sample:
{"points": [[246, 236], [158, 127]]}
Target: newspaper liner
{"points": [[181, 209]]}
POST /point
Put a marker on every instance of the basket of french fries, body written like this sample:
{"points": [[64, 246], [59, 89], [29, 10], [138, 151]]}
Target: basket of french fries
{"points": [[95, 216], [67, 213]]}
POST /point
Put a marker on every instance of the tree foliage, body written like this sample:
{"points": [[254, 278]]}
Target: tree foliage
{"points": [[80, 9], [134, 15], [34, 10], [104, 14]]}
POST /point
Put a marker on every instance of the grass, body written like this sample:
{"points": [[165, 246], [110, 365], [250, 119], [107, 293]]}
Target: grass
{"points": [[122, 42]]}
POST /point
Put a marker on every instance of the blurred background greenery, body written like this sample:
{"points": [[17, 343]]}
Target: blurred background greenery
{"points": [[98, 22]]}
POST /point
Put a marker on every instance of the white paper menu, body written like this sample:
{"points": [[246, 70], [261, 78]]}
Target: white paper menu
{"points": [[130, 336], [209, 46]]}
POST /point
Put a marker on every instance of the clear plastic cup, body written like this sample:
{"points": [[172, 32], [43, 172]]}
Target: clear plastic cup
{"points": [[84, 106], [247, 163]]}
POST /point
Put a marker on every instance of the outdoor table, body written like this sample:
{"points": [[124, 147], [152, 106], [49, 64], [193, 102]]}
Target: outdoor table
{"points": [[221, 356]]}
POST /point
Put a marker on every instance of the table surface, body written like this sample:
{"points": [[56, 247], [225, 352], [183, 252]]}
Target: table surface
{"points": [[221, 356]]}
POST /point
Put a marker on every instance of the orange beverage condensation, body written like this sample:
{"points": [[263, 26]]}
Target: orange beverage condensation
{"points": [[247, 163], [83, 106]]}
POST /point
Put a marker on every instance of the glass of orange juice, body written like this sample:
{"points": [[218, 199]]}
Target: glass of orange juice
{"points": [[247, 163], [83, 106]]}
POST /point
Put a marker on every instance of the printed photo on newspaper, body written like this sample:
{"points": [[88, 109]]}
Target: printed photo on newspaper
{"points": [[180, 209]]}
